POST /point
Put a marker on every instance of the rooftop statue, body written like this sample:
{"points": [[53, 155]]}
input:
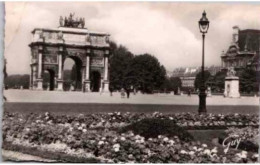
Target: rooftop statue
{"points": [[72, 22]]}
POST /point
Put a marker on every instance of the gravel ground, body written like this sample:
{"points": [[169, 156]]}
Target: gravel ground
{"points": [[79, 97]]}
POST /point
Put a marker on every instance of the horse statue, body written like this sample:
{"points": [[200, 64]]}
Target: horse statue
{"points": [[71, 22]]}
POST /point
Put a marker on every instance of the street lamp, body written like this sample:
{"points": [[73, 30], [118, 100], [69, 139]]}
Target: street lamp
{"points": [[203, 26]]}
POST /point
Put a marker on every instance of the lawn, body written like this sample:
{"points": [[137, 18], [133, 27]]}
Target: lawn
{"points": [[88, 108]]}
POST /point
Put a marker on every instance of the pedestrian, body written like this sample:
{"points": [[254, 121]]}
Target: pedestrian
{"points": [[122, 93], [189, 92], [111, 91], [128, 93]]}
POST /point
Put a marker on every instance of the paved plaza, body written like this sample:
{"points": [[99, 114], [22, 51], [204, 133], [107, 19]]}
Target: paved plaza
{"points": [[79, 97]]}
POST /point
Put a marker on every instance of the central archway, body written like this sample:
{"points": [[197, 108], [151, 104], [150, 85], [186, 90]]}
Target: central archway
{"points": [[95, 79], [73, 76]]}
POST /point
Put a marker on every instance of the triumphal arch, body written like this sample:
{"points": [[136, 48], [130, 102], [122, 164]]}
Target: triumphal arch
{"points": [[90, 51]]}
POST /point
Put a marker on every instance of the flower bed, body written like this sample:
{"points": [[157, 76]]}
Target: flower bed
{"points": [[96, 136]]}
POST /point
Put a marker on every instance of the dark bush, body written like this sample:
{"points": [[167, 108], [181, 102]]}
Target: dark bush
{"points": [[151, 128]]}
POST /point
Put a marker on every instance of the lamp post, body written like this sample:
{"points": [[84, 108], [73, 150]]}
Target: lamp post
{"points": [[203, 26]]}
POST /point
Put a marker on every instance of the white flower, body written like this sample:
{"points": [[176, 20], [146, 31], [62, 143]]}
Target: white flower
{"points": [[195, 148], [150, 139], [100, 142], [116, 149], [204, 145], [84, 130], [207, 151], [137, 137], [165, 139], [171, 142], [122, 138], [255, 156], [214, 150], [183, 152], [103, 138], [116, 145], [115, 139], [171, 118], [80, 128], [159, 136], [191, 153]]}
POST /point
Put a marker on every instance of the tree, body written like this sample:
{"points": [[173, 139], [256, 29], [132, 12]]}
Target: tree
{"points": [[198, 80], [218, 82], [119, 65], [176, 82], [148, 74], [248, 80]]}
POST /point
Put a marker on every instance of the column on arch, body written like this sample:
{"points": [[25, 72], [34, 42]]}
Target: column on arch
{"points": [[87, 68], [106, 82], [60, 70], [39, 73]]}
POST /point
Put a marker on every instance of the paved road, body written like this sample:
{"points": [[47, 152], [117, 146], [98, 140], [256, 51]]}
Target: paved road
{"points": [[161, 99]]}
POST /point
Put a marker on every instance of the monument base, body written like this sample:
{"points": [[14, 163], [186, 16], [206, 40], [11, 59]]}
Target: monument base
{"points": [[86, 87], [232, 87], [60, 85], [39, 84], [106, 86]]}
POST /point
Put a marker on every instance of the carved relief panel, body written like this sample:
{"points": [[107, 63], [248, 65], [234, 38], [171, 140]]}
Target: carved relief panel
{"points": [[97, 58], [50, 55]]}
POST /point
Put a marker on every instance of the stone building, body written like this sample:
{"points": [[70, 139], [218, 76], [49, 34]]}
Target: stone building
{"points": [[188, 75], [89, 50], [244, 49]]}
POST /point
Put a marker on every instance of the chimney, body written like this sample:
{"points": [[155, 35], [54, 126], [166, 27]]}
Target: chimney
{"points": [[235, 34]]}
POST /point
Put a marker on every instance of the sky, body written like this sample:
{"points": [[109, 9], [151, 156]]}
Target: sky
{"points": [[167, 30]]}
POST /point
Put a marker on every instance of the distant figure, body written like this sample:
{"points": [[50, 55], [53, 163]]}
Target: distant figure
{"points": [[128, 92], [111, 91], [122, 93], [189, 92], [84, 88]]}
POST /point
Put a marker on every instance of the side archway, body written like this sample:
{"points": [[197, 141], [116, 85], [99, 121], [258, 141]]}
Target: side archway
{"points": [[95, 78]]}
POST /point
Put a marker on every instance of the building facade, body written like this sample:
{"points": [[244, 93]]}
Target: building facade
{"points": [[188, 74], [89, 50], [244, 49]]}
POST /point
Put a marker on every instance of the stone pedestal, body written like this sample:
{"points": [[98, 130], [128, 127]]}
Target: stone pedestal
{"points": [[60, 85], [106, 86], [87, 86], [232, 87], [39, 84]]}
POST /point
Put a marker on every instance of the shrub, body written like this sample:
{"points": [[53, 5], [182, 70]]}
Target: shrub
{"points": [[151, 128]]}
